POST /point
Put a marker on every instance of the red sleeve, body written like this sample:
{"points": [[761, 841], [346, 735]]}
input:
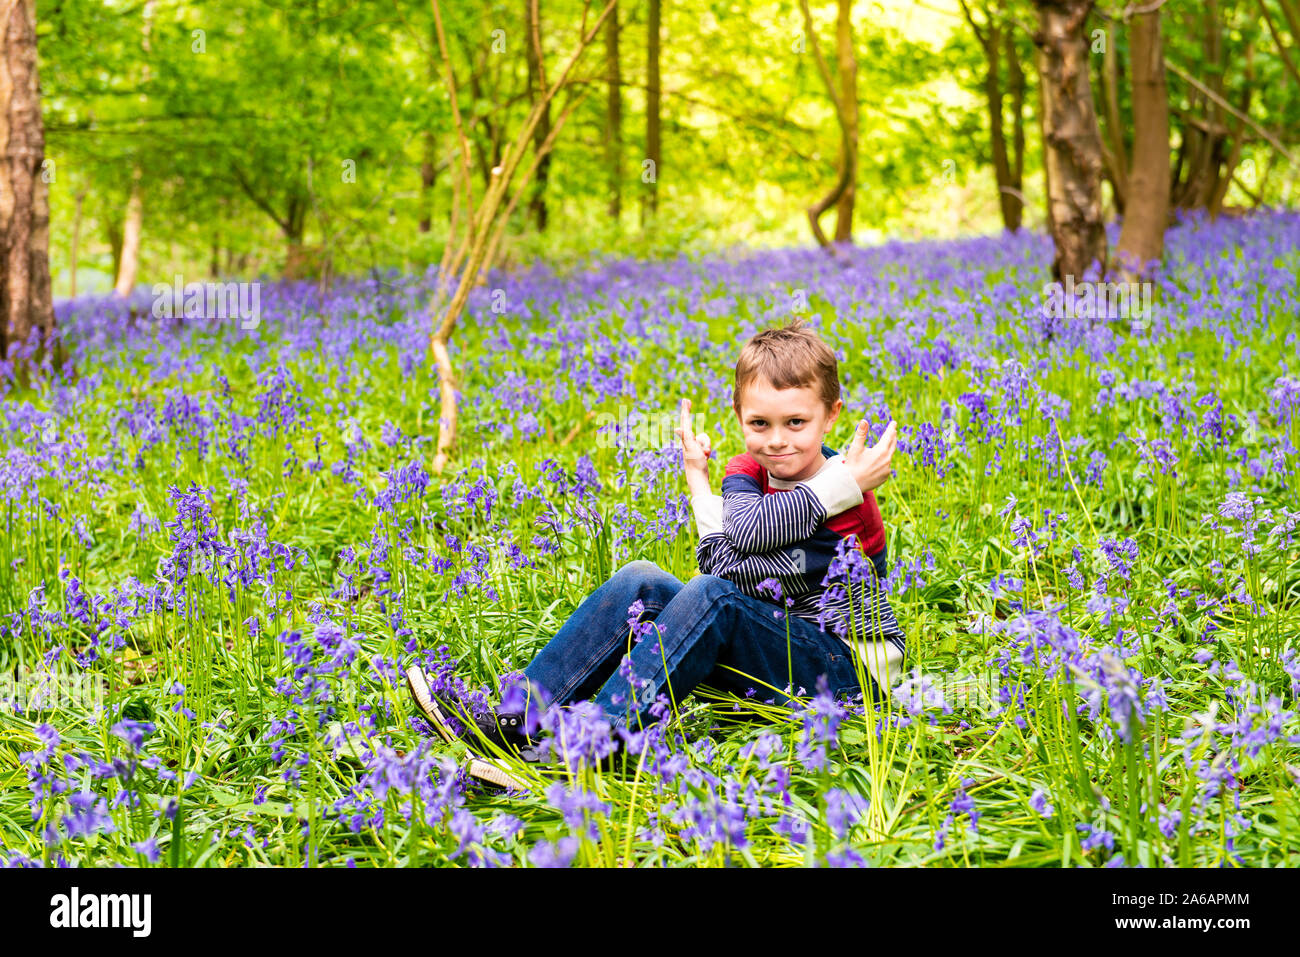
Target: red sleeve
{"points": [[743, 464], [864, 522]]}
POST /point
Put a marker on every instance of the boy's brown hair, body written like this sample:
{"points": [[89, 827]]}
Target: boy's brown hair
{"points": [[789, 357]]}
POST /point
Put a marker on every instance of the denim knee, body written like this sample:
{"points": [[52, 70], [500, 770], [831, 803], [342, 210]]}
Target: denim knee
{"points": [[643, 572], [709, 587], [640, 567]]}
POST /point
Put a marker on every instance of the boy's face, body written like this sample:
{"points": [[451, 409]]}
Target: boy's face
{"points": [[784, 428]]}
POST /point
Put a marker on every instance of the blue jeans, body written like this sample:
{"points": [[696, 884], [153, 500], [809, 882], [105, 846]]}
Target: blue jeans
{"points": [[706, 626]]}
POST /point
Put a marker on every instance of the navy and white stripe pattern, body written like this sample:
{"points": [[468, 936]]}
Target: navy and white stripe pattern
{"points": [[754, 522], [747, 537], [873, 617]]}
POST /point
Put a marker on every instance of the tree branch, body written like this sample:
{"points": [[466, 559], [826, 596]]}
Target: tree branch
{"points": [[1277, 40], [257, 200], [1267, 136]]}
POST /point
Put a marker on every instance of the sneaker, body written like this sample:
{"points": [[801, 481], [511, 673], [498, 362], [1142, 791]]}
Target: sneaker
{"points": [[454, 720], [495, 772]]}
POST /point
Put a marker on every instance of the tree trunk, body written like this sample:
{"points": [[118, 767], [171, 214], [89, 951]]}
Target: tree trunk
{"points": [[129, 263], [1223, 177], [537, 84], [113, 235], [614, 118], [1117, 165], [848, 66], [26, 304], [484, 224], [650, 175], [1142, 236], [295, 256], [428, 177], [428, 169], [1008, 180], [846, 166], [1042, 140], [1007, 203], [1203, 148], [1073, 143], [300, 261], [1016, 86]]}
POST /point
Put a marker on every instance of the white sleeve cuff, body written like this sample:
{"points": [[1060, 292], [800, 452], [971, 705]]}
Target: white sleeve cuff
{"points": [[883, 661], [708, 514], [835, 487]]}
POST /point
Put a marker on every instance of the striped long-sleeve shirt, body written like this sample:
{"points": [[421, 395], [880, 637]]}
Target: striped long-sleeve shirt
{"points": [[750, 533]]}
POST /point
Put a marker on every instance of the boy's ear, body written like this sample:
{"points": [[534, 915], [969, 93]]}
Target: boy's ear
{"points": [[834, 414]]}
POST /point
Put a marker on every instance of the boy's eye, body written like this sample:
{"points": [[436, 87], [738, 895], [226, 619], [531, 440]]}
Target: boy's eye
{"points": [[796, 421]]}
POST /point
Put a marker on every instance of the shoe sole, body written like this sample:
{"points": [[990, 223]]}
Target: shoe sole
{"points": [[493, 773], [418, 685], [483, 769]]}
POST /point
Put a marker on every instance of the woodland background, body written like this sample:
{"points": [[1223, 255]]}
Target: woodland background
{"points": [[244, 138]]}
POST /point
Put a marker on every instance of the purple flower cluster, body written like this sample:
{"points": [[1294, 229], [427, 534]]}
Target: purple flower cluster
{"points": [[203, 496]]}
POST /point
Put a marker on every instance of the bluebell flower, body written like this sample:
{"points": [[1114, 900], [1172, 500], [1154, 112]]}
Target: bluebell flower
{"points": [[639, 628], [88, 814], [557, 854], [844, 857], [963, 803], [133, 732], [843, 810], [579, 807], [1095, 837]]}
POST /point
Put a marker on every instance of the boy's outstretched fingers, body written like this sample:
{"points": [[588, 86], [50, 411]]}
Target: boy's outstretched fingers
{"points": [[888, 438], [859, 443], [871, 467], [681, 440]]}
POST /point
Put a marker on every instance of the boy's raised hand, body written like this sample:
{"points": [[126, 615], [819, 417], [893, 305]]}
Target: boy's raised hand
{"points": [[695, 450], [871, 466]]}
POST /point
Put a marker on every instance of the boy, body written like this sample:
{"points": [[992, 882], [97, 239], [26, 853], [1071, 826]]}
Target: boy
{"points": [[783, 522]]}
